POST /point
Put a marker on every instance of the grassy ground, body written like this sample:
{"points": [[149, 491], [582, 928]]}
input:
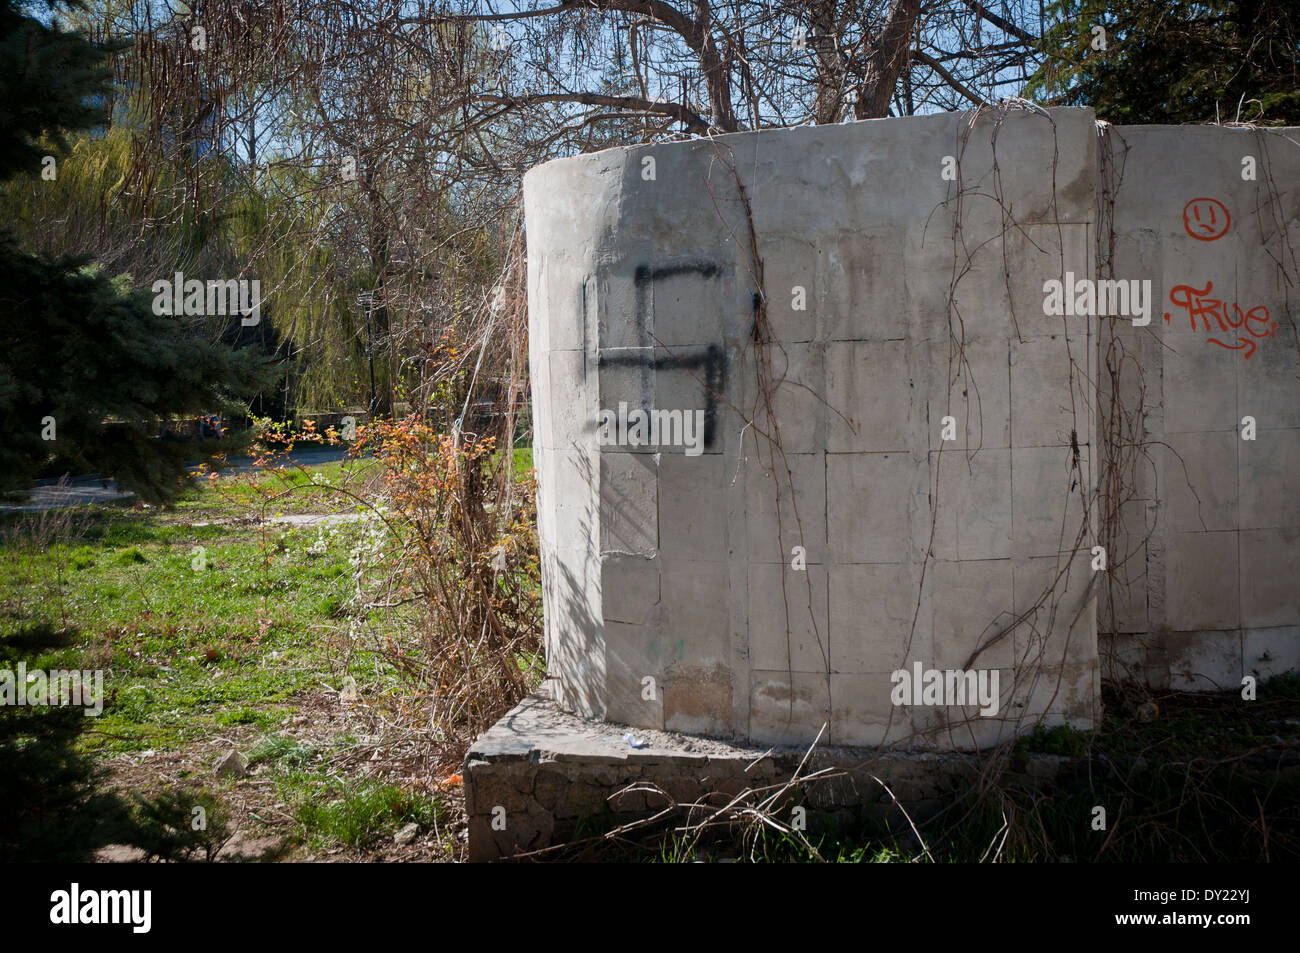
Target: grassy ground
{"points": [[219, 631]]}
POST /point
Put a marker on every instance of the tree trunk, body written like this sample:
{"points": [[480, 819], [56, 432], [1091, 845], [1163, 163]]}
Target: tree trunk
{"points": [[889, 57]]}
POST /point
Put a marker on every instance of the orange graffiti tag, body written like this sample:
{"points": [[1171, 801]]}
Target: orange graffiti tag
{"points": [[1206, 219], [1198, 304]]}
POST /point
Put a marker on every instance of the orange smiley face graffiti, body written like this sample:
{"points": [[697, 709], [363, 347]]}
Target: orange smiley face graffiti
{"points": [[1206, 219]]}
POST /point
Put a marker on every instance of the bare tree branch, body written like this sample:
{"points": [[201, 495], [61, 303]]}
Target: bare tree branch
{"points": [[922, 57]]}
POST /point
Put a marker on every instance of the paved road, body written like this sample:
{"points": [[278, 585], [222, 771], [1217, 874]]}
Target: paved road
{"points": [[77, 491], [300, 456], [50, 494]]}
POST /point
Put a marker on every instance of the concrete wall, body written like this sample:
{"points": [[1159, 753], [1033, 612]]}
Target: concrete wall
{"points": [[921, 282], [1204, 588]]}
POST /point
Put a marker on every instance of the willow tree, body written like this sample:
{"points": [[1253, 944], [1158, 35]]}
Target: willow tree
{"points": [[346, 193]]}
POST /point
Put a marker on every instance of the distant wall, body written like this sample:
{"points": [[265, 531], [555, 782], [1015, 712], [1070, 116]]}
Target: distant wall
{"points": [[1205, 586]]}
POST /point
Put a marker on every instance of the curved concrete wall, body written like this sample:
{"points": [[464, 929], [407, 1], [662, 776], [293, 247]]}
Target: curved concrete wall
{"points": [[887, 474], [820, 535]]}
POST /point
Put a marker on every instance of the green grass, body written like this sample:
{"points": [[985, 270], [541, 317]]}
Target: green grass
{"points": [[197, 628], [338, 815], [296, 489], [279, 750], [211, 630]]}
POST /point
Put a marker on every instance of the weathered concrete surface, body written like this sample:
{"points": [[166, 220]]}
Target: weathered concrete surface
{"points": [[760, 593], [540, 770], [1203, 584]]}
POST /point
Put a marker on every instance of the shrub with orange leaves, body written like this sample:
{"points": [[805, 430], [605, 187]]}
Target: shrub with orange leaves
{"points": [[462, 542]]}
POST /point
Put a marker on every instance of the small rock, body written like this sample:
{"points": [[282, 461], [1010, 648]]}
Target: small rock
{"points": [[242, 847], [120, 854], [232, 765], [407, 834], [348, 694]]}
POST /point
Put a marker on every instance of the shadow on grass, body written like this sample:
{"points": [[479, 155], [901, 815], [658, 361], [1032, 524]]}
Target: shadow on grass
{"points": [[55, 803]]}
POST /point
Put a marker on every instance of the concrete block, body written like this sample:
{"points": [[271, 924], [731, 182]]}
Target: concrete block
{"points": [[1126, 359], [1199, 385], [629, 588], [928, 272], [569, 292], [694, 379], [1067, 694], [698, 699], [1127, 657], [776, 518], [629, 504], [789, 626], [972, 605], [1122, 594], [973, 511], [1269, 468], [1047, 252], [539, 373], [863, 713], [975, 392], [693, 611], [1202, 588], [1204, 661], [692, 507], [1039, 366], [788, 711], [627, 663], [870, 396], [626, 377], [869, 498], [861, 288], [1054, 169], [690, 185], [789, 264], [573, 426], [688, 297], [1056, 601], [1266, 653], [871, 612], [623, 319], [1269, 595], [1047, 508], [574, 492], [1201, 485], [979, 311], [799, 413], [1268, 385]]}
